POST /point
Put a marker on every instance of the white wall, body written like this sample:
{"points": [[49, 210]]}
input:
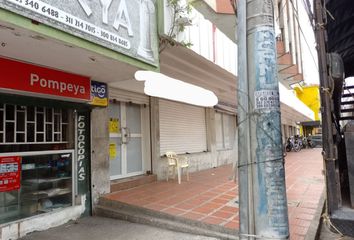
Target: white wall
{"points": [[287, 97], [308, 48], [206, 40]]}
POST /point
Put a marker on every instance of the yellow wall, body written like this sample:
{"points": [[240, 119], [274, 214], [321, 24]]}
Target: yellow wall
{"points": [[310, 96]]}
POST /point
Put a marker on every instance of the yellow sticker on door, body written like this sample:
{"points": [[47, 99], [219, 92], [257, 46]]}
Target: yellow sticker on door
{"points": [[112, 151], [114, 125]]}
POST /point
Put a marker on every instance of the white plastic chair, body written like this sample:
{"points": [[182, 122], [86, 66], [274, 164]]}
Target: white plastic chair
{"points": [[171, 164], [177, 162]]}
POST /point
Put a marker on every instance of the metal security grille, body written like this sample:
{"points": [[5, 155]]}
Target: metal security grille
{"points": [[182, 128], [34, 125], [225, 127]]}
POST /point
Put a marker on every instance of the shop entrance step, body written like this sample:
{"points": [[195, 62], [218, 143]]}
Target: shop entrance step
{"points": [[131, 182], [123, 211]]}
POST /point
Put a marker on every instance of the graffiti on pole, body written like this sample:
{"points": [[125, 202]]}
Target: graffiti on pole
{"points": [[271, 174]]}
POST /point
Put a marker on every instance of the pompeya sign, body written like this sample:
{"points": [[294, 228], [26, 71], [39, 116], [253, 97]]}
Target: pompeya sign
{"points": [[29, 79], [35, 80], [125, 26]]}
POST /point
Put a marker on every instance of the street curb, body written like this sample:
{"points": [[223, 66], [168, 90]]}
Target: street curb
{"points": [[124, 211], [314, 229]]}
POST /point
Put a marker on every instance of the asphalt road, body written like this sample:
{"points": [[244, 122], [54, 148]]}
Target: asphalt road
{"points": [[98, 228]]}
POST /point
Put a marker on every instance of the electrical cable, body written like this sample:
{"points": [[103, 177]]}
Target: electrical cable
{"points": [[308, 46]]}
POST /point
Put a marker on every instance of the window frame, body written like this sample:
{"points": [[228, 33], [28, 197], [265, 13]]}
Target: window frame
{"points": [[221, 143]]}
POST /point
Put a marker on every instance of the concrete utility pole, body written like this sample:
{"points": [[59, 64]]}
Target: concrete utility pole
{"points": [[262, 192]]}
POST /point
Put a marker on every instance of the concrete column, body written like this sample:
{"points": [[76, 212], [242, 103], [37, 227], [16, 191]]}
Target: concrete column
{"points": [[211, 135], [100, 183], [262, 192], [155, 134]]}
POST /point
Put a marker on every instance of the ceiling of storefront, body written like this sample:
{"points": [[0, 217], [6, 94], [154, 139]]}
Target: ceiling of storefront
{"points": [[25, 45], [340, 29]]}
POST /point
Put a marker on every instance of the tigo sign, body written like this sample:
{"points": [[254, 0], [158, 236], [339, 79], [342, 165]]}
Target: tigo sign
{"points": [[99, 94], [18, 76]]}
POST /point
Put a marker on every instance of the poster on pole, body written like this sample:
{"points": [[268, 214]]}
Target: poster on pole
{"points": [[10, 173]]}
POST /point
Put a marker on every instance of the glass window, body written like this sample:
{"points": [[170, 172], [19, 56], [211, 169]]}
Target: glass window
{"points": [[20, 137], [57, 123], [40, 137], [49, 133], [30, 113], [28, 124], [10, 134], [49, 115], [46, 180], [40, 122], [30, 132], [20, 122], [1, 120], [46, 185], [10, 112]]}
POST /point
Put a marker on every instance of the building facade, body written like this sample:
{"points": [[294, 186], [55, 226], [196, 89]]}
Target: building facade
{"points": [[310, 95], [59, 61], [295, 65], [74, 120]]}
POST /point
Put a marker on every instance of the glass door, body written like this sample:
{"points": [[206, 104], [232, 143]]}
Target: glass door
{"points": [[125, 140], [115, 140]]}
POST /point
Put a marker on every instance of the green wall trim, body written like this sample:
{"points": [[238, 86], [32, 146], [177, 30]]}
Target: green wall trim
{"points": [[160, 17], [23, 22]]}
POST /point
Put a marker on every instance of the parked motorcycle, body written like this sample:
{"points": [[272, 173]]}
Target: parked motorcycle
{"points": [[298, 140], [310, 143], [292, 145]]}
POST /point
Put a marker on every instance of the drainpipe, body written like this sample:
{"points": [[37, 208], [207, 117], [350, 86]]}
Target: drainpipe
{"points": [[214, 44], [262, 192]]}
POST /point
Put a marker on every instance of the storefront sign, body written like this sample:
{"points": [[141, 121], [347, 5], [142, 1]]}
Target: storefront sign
{"points": [[126, 26], [83, 156], [99, 94], [28, 78], [81, 147], [10, 173]]}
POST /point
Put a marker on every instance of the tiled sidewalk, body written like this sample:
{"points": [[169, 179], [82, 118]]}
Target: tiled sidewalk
{"points": [[210, 195]]}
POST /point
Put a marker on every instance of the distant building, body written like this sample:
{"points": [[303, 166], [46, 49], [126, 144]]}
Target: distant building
{"points": [[310, 95]]}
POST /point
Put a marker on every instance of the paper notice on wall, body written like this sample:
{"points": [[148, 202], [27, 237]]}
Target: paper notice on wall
{"points": [[112, 151], [114, 125], [267, 99], [10, 173]]}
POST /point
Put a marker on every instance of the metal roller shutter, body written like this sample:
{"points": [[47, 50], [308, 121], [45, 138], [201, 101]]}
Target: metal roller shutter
{"points": [[127, 96], [182, 128]]}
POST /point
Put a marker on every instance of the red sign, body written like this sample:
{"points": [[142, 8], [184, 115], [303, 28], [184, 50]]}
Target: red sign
{"points": [[10, 173], [34, 79]]}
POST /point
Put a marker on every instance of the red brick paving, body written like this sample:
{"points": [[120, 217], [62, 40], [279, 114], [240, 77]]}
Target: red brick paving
{"points": [[210, 195]]}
